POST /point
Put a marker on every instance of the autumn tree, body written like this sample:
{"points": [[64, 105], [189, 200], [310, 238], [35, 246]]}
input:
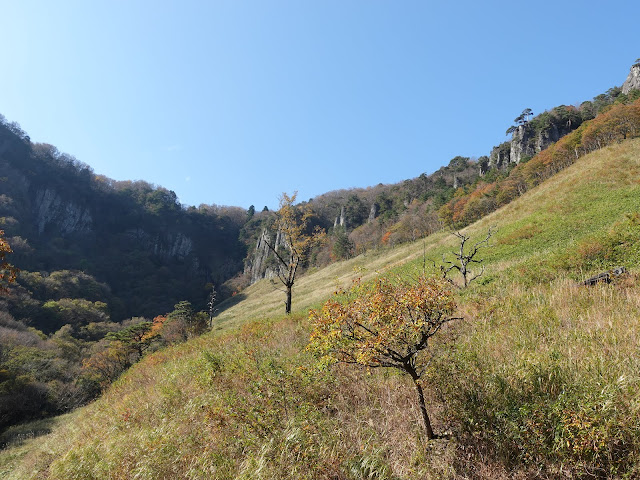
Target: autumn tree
{"points": [[8, 272], [292, 241], [384, 324], [134, 339], [104, 366], [183, 323]]}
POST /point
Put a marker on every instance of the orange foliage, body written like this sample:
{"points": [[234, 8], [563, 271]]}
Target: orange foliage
{"points": [[387, 323], [105, 366], [8, 272], [156, 327]]}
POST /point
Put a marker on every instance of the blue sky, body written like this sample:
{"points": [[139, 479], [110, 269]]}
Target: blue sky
{"points": [[234, 102]]}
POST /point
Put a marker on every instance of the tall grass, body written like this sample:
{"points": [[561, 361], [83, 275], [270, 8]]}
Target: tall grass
{"points": [[547, 378]]}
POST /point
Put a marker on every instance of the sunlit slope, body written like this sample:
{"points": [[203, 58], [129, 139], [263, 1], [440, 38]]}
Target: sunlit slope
{"points": [[580, 201], [239, 402]]}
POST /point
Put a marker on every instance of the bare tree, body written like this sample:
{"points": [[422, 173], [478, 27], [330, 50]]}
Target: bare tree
{"points": [[463, 259], [212, 301]]}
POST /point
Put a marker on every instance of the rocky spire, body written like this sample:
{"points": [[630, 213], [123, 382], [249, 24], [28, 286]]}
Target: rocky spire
{"points": [[372, 213], [343, 218]]}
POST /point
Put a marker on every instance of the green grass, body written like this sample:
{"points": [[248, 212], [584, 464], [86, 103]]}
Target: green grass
{"points": [[539, 380]]}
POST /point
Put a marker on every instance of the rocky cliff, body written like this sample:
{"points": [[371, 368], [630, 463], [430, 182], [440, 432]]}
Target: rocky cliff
{"points": [[260, 264], [67, 217], [633, 80], [532, 137]]}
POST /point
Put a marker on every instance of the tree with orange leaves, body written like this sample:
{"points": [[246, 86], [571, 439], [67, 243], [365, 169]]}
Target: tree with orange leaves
{"points": [[8, 272], [292, 232], [384, 324]]}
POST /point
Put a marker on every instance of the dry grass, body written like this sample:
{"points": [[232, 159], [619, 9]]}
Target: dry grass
{"points": [[265, 299]]}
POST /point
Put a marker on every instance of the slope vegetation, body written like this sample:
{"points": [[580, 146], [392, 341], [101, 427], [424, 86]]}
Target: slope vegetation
{"points": [[539, 380]]}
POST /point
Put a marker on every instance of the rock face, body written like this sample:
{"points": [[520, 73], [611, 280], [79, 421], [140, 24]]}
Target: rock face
{"points": [[258, 266], [633, 80], [178, 246], [67, 217], [526, 142], [168, 246], [372, 213], [500, 155], [521, 144], [342, 219]]}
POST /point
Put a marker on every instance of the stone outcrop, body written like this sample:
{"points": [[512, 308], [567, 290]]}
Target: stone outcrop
{"points": [[257, 267], [500, 155], [633, 80], [372, 213], [67, 217], [521, 144], [526, 142], [178, 246], [169, 246], [605, 277]]}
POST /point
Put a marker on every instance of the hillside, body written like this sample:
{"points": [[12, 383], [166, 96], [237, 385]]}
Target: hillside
{"points": [[134, 237], [539, 379]]}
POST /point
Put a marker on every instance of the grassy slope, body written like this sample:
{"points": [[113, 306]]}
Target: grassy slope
{"points": [[244, 402]]}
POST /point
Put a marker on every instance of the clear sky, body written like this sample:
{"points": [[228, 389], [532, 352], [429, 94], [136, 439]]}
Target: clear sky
{"points": [[233, 102]]}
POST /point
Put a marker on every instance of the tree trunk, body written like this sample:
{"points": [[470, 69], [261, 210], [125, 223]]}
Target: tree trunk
{"points": [[423, 409], [287, 307]]}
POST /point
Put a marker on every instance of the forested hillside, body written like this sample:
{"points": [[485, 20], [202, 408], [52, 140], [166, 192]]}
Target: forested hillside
{"points": [[135, 237], [362, 219]]}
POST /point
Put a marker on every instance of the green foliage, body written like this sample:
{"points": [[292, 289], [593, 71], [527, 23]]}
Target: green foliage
{"points": [[604, 250], [343, 248], [75, 311], [356, 210], [386, 209], [36, 375], [459, 164], [133, 339]]}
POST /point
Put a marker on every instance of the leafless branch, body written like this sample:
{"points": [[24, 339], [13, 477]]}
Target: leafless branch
{"points": [[464, 257]]}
